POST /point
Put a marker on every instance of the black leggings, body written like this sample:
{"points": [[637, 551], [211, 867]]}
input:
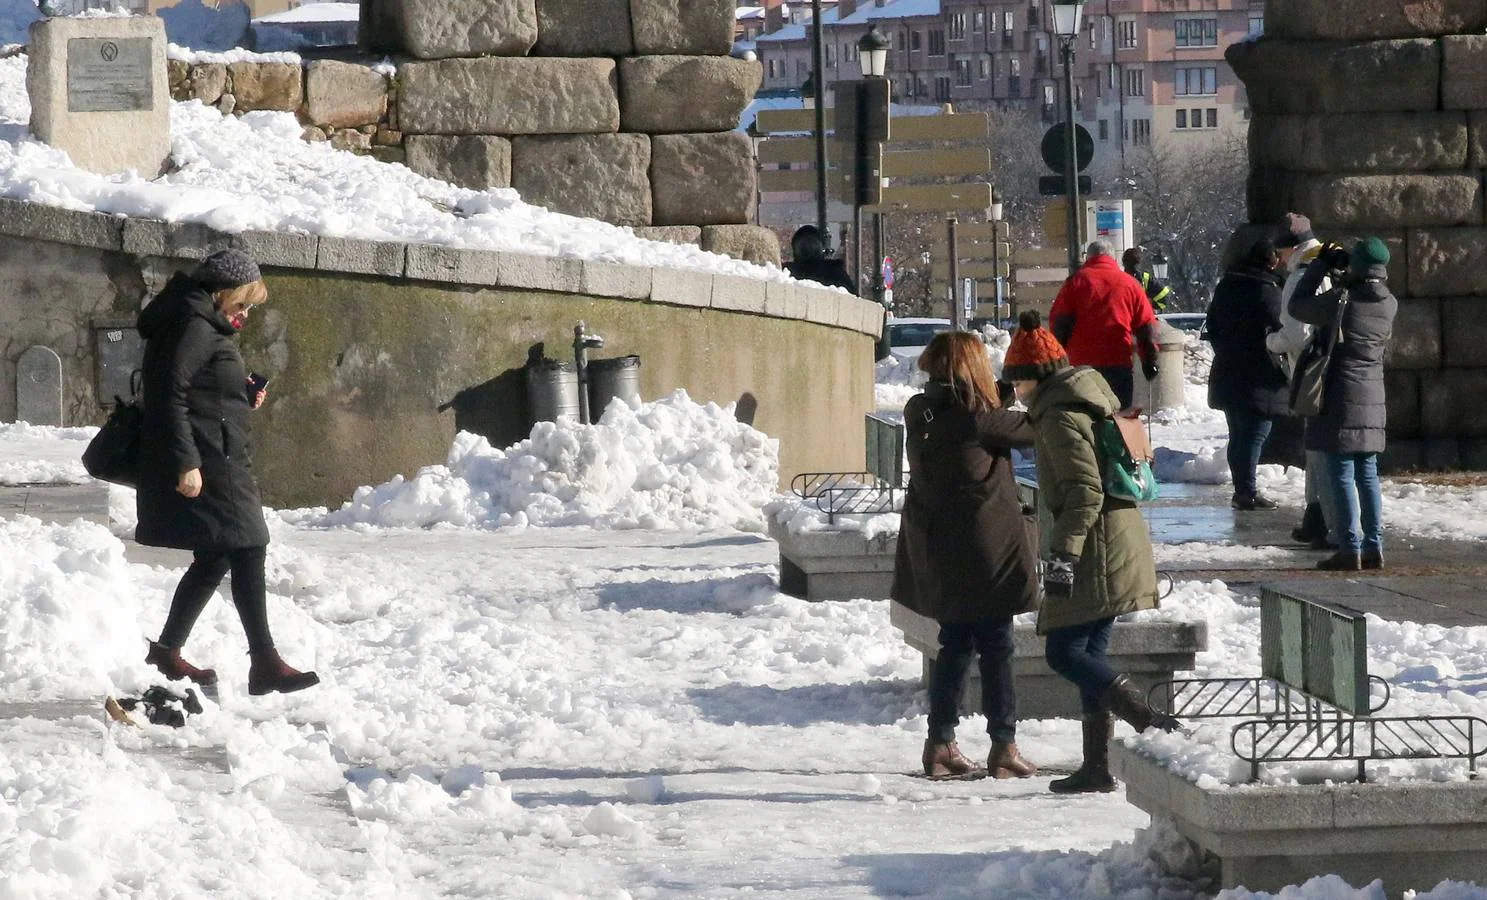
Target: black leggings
{"points": [[200, 582]]}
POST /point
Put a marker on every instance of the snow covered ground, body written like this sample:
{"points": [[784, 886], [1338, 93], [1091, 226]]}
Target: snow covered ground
{"points": [[255, 172], [555, 712]]}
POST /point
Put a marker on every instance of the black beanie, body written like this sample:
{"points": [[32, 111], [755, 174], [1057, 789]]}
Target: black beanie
{"points": [[226, 269]]}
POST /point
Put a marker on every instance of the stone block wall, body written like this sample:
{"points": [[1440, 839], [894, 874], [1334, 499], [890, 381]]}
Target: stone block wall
{"points": [[620, 110], [1370, 116], [641, 141]]}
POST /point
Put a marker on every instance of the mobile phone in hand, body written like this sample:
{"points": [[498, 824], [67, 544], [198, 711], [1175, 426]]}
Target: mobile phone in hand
{"points": [[256, 383]]}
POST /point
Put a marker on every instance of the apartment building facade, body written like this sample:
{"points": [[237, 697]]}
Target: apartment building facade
{"points": [[1148, 72]]}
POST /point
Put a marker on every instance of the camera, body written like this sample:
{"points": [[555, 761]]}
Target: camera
{"points": [[1337, 257]]}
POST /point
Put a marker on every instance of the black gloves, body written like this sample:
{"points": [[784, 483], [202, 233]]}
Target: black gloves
{"points": [[1058, 575], [1150, 369]]}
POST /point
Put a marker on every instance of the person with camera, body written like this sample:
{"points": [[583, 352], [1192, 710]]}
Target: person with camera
{"points": [[1358, 315], [196, 490], [811, 262], [1247, 383], [1298, 246], [1101, 314], [965, 557]]}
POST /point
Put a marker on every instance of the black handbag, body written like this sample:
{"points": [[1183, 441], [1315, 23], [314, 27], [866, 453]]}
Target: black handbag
{"points": [[113, 454], [1309, 377]]}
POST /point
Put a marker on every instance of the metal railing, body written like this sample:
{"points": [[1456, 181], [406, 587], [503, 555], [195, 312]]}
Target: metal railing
{"points": [[846, 493], [1360, 740]]}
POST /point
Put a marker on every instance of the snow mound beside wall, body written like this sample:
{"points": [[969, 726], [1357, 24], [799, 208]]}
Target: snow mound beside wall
{"points": [[669, 464]]}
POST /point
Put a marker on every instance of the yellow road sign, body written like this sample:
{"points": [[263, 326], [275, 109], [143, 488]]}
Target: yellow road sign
{"points": [[974, 232], [906, 129], [973, 269], [1041, 256], [927, 163], [935, 198]]}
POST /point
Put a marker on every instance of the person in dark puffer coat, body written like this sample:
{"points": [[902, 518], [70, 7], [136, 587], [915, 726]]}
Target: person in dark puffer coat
{"points": [[1350, 429], [1247, 382], [196, 489], [965, 557]]}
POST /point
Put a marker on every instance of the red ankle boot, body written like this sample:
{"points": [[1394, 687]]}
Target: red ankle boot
{"points": [[269, 673], [168, 661]]}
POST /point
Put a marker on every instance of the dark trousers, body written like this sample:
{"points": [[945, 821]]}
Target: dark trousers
{"points": [[992, 639], [249, 595], [1122, 383], [1078, 654], [1248, 432]]}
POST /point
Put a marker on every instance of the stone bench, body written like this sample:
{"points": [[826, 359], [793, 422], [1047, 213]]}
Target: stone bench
{"points": [[1411, 835], [1147, 651], [834, 564]]}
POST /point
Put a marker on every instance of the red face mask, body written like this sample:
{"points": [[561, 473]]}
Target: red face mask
{"points": [[238, 321]]}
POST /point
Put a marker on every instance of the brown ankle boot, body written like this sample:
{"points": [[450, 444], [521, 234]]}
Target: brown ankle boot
{"points": [[1127, 702], [269, 673], [168, 661], [944, 760], [1006, 761]]}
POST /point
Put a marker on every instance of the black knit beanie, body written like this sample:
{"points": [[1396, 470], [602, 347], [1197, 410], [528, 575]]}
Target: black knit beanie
{"points": [[226, 269]]}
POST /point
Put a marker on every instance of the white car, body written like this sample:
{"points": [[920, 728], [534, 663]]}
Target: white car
{"points": [[907, 338], [1184, 321]]}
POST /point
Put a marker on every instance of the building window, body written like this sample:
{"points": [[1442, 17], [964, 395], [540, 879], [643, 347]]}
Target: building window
{"points": [[1125, 34], [1014, 67], [1048, 95], [1213, 118], [1135, 82], [983, 68], [942, 89], [801, 70], [849, 52], [1009, 21], [1182, 118], [1196, 81], [1104, 129], [962, 72], [1256, 26], [1014, 87], [1197, 32], [1141, 131], [914, 41], [978, 22], [1089, 25], [958, 27], [773, 70], [830, 51], [936, 42]]}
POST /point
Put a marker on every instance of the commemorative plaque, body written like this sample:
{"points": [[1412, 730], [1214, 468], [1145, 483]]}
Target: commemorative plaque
{"points": [[109, 75]]}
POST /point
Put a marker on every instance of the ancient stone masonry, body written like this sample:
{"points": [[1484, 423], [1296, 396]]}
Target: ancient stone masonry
{"points": [[1370, 116], [620, 110]]}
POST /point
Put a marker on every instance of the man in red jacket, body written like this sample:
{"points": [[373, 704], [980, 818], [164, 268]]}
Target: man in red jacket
{"points": [[1100, 316]]}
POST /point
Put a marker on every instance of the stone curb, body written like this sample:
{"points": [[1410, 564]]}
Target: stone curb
{"points": [[443, 264]]}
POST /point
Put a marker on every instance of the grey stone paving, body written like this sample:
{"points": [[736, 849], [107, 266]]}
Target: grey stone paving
{"points": [[56, 502]]}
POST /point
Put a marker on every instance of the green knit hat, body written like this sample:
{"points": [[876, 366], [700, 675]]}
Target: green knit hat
{"points": [[1368, 253]]}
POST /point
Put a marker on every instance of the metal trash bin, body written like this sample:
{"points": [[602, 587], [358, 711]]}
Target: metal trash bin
{"points": [[552, 390], [1169, 390], [611, 378]]}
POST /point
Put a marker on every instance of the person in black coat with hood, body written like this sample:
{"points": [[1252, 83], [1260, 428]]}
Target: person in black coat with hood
{"points": [[196, 489], [811, 262], [1247, 382]]}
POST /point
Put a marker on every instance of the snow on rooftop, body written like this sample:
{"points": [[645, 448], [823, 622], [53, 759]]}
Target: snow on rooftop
{"points": [[314, 12], [896, 9], [255, 173]]}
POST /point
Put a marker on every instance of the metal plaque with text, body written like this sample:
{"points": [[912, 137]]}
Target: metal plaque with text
{"points": [[110, 75]]}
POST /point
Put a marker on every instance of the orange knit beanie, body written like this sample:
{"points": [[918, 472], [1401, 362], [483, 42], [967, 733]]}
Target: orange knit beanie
{"points": [[1035, 353]]}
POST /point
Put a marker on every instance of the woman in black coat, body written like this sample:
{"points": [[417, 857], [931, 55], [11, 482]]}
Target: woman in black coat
{"points": [[965, 557], [1247, 382], [1350, 430], [196, 490]]}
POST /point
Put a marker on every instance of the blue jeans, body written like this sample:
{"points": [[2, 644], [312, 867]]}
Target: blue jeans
{"points": [[1078, 654], [1353, 479], [992, 639], [1247, 434]]}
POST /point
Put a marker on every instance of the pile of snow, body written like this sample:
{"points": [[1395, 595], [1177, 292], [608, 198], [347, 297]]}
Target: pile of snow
{"points": [[668, 464], [1197, 359], [195, 57], [40, 454], [255, 172]]}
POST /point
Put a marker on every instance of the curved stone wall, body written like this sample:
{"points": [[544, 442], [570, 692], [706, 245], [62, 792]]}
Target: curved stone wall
{"points": [[365, 342]]}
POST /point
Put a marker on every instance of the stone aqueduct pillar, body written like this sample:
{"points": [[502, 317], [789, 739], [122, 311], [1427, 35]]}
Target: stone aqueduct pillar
{"points": [[1370, 116]]}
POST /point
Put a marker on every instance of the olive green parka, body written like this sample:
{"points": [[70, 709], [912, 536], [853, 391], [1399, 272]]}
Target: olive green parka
{"points": [[1116, 572]]}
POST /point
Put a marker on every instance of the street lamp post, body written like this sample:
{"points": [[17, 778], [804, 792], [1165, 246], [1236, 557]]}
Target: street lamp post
{"points": [[872, 54], [818, 80], [1159, 266], [1067, 17]]}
